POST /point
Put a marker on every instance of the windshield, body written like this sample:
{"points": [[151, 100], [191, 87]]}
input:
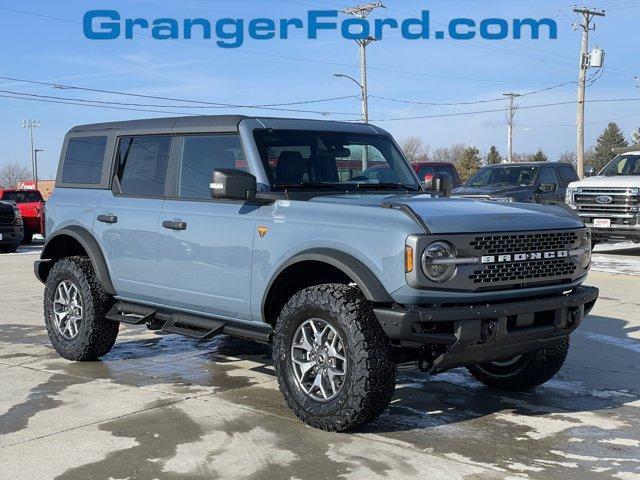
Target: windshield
{"points": [[523, 176], [623, 165], [23, 197], [339, 160]]}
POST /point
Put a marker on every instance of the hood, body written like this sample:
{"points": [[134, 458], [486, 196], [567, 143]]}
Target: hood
{"points": [[461, 215], [612, 181], [492, 191]]}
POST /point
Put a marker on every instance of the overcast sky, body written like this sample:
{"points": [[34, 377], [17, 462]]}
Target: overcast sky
{"points": [[48, 45]]}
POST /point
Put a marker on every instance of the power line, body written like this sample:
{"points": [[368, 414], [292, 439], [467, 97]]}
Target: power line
{"points": [[458, 114]]}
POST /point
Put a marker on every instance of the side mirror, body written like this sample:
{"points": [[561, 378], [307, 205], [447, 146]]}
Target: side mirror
{"points": [[233, 184], [548, 187], [440, 184], [589, 171]]}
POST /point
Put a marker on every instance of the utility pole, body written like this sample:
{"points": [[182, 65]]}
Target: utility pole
{"points": [[31, 124], [511, 115], [35, 158], [363, 11], [587, 17]]}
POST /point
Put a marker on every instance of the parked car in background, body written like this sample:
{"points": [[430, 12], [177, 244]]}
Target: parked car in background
{"points": [[609, 202], [31, 206], [11, 229], [543, 183], [424, 170]]}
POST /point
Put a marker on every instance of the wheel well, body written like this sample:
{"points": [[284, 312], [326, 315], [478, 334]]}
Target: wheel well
{"points": [[63, 246], [295, 278]]}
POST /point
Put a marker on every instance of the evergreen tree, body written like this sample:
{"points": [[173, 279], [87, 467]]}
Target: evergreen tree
{"points": [[611, 137], [539, 156], [469, 163], [636, 137], [494, 157]]}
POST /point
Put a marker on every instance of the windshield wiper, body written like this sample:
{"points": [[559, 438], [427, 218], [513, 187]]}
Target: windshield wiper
{"points": [[329, 186], [385, 186]]}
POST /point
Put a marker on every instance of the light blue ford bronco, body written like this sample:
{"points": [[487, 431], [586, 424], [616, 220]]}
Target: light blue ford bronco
{"points": [[272, 230]]}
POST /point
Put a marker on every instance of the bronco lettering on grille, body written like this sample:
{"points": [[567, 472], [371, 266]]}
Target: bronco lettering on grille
{"points": [[523, 257]]}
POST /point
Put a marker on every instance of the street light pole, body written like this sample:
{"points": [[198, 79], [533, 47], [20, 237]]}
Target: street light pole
{"points": [[31, 124]]}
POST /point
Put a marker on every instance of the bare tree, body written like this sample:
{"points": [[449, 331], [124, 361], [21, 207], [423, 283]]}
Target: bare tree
{"points": [[12, 173], [414, 148], [568, 157], [451, 154]]}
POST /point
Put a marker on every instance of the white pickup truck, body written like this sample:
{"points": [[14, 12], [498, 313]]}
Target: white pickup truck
{"points": [[609, 202]]}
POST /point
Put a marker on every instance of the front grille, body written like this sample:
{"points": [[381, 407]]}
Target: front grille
{"points": [[624, 202], [7, 217], [524, 242], [519, 272]]}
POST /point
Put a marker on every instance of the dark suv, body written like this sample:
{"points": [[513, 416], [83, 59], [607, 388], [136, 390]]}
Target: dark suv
{"points": [[543, 183], [11, 228]]}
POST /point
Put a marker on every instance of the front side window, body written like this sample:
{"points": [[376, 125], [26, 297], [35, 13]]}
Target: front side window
{"points": [[548, 176], [200, 155], [623, 165], [567, 175], [504, 176], [339, 160], [83, 160], [142, 165]]}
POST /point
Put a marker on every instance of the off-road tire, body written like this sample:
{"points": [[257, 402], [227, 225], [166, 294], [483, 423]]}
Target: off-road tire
{"points": [[532, 370], [27, 237], [371, 372], [9, 247], [96, 336]]}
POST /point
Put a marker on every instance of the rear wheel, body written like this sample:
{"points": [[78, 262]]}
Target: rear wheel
{"points": [[9, 247], [525, 371], [332, 359], [75, 306], [27, 238]]}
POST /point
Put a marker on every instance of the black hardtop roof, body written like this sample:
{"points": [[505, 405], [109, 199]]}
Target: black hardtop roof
{"points": [[218, 123]]}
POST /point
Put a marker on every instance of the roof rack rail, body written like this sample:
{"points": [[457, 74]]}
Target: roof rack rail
{"points": [[620, 150]]}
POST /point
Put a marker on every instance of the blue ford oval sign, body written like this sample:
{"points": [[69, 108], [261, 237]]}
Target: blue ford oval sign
{"points": [[604, 199]]}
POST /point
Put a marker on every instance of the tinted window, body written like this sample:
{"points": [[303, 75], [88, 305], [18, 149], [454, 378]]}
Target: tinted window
{"points": [[548, 176], [305, 158], [83, 160], [623, 165], [503, 176], [27, 196], [200, 156], [567, 175], [142, 165]]}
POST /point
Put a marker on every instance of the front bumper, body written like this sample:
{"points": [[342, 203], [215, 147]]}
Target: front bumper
{"points": [[11, 234], [617, 232], [472, 334]]}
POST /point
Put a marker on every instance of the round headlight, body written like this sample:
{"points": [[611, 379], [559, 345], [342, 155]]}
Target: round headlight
{"points": [[434, 262], [585, 246]]}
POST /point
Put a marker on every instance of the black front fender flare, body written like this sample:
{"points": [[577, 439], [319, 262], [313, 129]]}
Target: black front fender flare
{"points": [[369, 284], [53, 250]]}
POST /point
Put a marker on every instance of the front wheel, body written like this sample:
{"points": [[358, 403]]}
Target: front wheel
{"points": [[9, 247], [332, 359], [74, 307], [525, 371]]}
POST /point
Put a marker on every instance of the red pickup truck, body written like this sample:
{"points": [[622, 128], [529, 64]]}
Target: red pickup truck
{"points": [[31, 206]]}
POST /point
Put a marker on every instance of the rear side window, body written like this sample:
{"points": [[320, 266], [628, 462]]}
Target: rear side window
{"points": [[200, 155], [567, 175], [142, 165], [83, 160]]}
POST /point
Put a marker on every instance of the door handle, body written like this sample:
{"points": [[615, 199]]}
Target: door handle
{"points": [[107, 218], [174, 225]]}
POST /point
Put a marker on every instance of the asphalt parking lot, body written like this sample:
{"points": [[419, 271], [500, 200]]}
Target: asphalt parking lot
{"points": [[161, 406]]}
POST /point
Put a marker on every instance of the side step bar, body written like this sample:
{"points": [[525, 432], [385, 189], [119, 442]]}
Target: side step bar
{"points": [[194, 326]]}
